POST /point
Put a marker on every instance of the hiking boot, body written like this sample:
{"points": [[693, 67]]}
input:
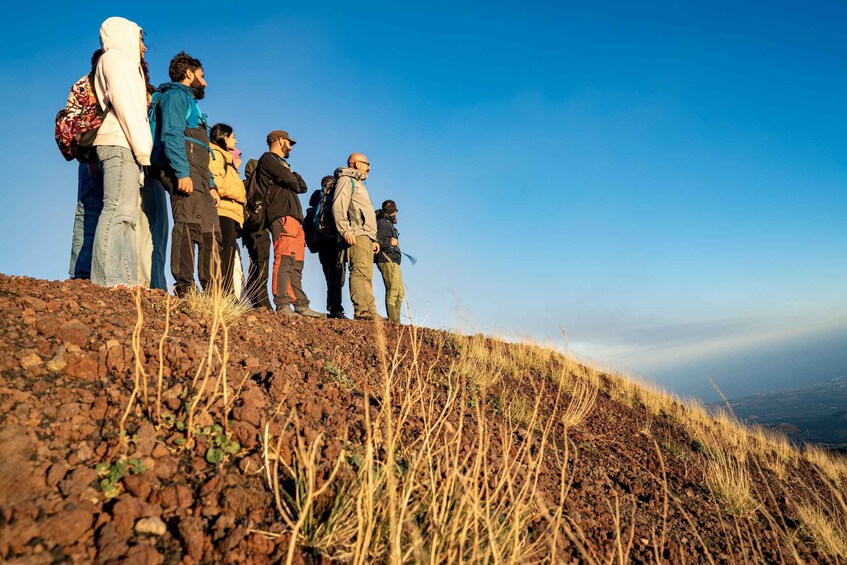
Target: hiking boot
{"points": [[368, 316], [309, 313], [337, 316], [285, 311]]}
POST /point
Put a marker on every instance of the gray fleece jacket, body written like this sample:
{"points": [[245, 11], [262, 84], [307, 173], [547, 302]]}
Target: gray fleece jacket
{"points": [[351, 205]]}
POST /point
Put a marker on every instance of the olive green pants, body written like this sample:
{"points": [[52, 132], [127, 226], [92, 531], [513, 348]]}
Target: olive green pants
{"points": [[393, 289], [361, 260]]}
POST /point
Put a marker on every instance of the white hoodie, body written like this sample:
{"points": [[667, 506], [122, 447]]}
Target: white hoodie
{"points": [[119, 82]]}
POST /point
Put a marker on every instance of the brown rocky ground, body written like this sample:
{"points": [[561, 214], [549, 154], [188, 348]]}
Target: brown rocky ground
{"points": [[71, 490]]}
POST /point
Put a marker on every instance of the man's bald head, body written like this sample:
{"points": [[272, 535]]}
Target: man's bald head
{"points": [[356, 158], [360, 163]]}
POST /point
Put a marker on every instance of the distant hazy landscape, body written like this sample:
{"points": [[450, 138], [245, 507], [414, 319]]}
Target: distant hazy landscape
{"points": [[815, 413]]}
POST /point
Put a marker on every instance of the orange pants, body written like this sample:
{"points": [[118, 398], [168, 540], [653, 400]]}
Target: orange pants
{"points": [[289, 254]]}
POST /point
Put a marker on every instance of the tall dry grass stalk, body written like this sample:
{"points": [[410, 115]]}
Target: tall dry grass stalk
{"points": [[161, 371], [139, 374]]}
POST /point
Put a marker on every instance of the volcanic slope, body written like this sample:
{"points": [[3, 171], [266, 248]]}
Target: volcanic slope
{"points": [[136, 428]]}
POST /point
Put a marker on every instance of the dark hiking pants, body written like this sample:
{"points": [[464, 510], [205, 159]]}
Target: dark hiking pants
{"points": [[258, 245], [333, 267], [184, 238], [229, 236]]}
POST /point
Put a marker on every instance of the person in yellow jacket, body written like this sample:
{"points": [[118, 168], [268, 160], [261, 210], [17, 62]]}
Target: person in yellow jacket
{"points": [[233, 197]]}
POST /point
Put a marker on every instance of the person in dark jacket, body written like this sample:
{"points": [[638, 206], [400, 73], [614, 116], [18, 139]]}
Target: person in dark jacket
{"points": [[181, 153], [329, 250], [388, 258], [257, 242], [282, 187]]}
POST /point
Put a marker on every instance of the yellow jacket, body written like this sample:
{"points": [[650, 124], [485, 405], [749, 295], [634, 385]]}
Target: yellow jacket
{"points": [[230, 186]]}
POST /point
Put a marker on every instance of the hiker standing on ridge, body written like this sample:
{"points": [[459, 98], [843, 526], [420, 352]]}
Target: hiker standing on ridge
{"points": [[257, 242], [123, 143], [388, 258], [233, 197], [326, 245], [279, 188], [356, 223], [89, 205], [181, 153]]}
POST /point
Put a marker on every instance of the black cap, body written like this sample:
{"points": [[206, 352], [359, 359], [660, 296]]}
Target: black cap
{"points": [[389, 207]]}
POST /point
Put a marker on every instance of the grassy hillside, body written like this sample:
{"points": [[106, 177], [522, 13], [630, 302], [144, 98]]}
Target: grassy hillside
{"points": [[139, 428]]}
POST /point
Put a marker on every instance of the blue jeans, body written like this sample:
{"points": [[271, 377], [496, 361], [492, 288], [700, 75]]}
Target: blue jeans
{"points": [[115, 259], [154, 206], [89, 204]]}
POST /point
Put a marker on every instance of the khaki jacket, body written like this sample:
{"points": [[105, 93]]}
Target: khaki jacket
{"points": [[351, 208], [230, 186]]}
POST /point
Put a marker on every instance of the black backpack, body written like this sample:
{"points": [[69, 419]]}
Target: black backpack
{"points": [[313, 237], [255, 212]]}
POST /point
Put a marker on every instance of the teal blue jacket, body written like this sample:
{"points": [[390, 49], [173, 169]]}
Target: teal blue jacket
{"points": [[173, 109]]}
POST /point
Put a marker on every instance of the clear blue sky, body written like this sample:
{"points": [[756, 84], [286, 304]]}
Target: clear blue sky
{"points": [[665, 180]]}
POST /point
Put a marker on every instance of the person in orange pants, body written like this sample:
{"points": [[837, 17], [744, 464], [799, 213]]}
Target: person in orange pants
{"points": [[289, 255], [281, 187]]}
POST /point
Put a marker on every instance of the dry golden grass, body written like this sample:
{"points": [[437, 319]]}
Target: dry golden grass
{"points": [[729, 480], [828, 531], [583, 393], [774, 450], [831, 467], [214, 303]]}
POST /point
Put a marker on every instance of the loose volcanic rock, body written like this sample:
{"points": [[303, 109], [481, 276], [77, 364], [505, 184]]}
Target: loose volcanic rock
{"points": [[125, 513], [137, 486], [191, 530], [31, 360], [152, 526], [67, 527], [75, 332]]}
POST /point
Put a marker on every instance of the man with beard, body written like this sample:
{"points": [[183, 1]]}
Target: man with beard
{"points": [[281, 187], [181, 153]]}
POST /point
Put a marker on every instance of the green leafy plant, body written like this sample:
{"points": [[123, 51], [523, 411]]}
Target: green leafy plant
{"points": [[111, 474], [171, 421], [337, 376], [220, 445], [676, 448]]}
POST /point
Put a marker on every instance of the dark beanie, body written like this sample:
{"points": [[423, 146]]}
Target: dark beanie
{"points": [[389, 207]]}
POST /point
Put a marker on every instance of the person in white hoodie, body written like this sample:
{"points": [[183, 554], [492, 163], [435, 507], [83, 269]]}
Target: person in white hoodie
{"points": [[124, 143]]}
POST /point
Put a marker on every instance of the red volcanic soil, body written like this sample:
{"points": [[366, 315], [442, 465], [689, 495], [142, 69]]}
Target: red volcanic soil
{"points": [[72, 490]]}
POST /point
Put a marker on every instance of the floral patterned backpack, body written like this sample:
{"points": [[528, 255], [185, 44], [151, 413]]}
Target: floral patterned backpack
{"points": [[77, 123]]}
